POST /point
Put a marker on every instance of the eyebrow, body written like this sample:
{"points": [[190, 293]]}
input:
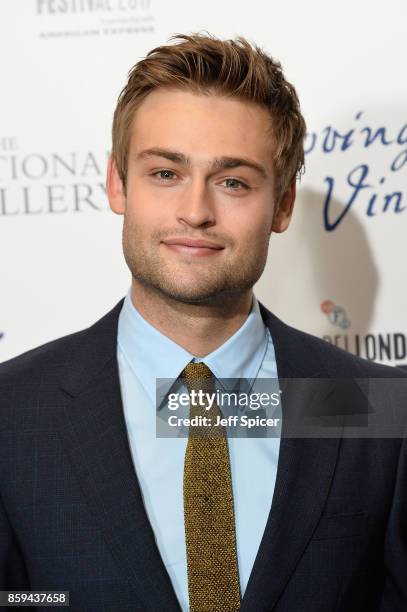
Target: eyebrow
{"points": [[219, 163]]}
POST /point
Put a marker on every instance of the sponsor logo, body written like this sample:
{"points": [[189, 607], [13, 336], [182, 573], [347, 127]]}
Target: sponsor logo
{"points": [[386, 347], [336, 314], [93, 18], [375, 347], [58, 7], [40, 182]]}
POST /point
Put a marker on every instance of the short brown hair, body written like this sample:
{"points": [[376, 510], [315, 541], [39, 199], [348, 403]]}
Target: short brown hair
{"points": [[235, 68]]}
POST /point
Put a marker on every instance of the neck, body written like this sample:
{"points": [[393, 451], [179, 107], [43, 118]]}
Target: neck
{"points": [[198, 328]]}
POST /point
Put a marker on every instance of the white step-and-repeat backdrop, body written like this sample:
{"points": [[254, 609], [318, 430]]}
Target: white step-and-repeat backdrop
{"points": [[339, 271]]}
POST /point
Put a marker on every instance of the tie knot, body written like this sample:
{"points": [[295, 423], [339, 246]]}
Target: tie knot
{"points": [[197, 375]]}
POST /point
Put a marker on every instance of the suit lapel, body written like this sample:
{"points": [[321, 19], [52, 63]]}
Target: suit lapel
{"points": [[92, 427], [305, 470], [304, 474]]}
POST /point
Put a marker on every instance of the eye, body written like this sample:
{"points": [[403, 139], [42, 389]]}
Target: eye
{"points": [[234, 184], [165, 175]]}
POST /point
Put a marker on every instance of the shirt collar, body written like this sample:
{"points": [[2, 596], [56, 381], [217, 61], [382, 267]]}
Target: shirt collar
{"points": [[153, 355]]}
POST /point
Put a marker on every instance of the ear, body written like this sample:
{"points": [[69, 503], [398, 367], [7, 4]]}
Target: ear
{"points": [[115, 189], [284, 211]]}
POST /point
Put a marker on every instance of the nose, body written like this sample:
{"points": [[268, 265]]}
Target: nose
{"points": [[196, 208]]}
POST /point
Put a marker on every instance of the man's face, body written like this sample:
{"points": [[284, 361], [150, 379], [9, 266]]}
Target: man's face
{"points": [[198, 209]]}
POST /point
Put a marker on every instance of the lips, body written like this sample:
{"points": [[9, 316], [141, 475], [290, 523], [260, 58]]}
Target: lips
{"points": [[190, 242], [192, 247]]}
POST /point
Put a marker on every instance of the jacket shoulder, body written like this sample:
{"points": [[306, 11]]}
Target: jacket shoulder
{"points": [[45, 356], [48, 360]]}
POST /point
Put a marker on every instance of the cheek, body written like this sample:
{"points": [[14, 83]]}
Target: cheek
{"points": [[248, 216], [257, 237], [251, 229], [147, 202], [142, 211]]}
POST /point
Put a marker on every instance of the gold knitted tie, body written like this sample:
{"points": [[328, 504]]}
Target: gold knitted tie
{"points": [[213, 577]]}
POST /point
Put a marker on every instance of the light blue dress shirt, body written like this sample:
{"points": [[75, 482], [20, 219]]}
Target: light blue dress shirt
{"points": [[145, 354]]}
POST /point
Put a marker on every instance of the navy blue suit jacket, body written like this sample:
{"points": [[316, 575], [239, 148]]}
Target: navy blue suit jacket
{"points": [[72, 516]]}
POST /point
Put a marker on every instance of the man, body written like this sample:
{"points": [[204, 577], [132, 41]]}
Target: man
{"points": [[207, 145]]}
